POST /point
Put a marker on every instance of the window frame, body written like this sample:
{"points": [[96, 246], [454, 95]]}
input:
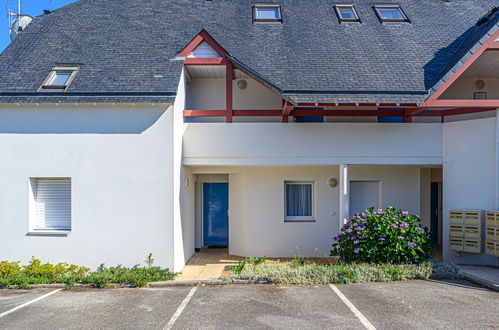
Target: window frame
{"points": [[346, 20], [46, 84], [34, 228], [391, 20], [266, 20], [310, 218]]}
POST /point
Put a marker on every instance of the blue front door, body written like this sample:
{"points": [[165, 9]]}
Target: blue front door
{"points": [[215, 213]]}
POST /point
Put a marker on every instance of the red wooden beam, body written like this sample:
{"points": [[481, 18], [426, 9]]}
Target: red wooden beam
{"points": [[204, 113], [450, 112], [229, 77], [285, 111], [205, 61], [434, 98], [493, 104], [255, 113], [203, 36], [361, 105], [348, 113]]}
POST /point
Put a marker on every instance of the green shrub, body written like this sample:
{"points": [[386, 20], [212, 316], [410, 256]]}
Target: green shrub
{"points": [[9, 269], [12, 274], [383, 236]]}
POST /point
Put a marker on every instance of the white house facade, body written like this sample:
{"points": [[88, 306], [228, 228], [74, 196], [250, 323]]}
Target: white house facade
{"points": [[106, 157]]}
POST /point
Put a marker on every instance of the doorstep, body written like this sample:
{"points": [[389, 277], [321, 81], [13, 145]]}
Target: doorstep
{"points": [[484, 275], [206, 266]]}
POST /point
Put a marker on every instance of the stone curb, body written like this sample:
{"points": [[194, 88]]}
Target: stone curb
{"points": [[481, 281], [163, 284], [197, 283]]}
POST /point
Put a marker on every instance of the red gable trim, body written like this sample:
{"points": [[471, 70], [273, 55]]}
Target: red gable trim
{"points": [[203, 36], [433, 100]]}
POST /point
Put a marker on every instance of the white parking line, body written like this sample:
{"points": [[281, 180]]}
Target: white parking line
{"points": [[354, 309], [180, 309], [29, 303]]}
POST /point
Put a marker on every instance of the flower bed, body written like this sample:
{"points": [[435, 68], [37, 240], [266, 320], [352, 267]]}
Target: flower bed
{"points": [[306, 273], [15, 275]]}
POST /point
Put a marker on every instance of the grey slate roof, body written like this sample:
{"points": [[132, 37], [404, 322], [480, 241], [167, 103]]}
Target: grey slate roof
{"points": [[126, 47]]}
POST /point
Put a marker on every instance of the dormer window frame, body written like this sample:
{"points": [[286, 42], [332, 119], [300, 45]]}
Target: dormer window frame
{"points": [[257, 6], [342, 19], [382, 19], [48, 85]]}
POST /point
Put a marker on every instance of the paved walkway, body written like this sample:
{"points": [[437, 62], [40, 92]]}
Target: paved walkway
{"points": [[489, 275], [206, 265]]}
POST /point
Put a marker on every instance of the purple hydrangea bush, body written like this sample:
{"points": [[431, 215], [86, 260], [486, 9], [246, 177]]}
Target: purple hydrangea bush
{"points": [[383, 236]]}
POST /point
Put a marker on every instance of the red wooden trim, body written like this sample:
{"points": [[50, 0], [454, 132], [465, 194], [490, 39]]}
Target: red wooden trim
{"points": [[191, 46], [348, 113], [255, 113], [462, 69], [229, 77], [362, 105], [451, 112], [205, 61], [203, 36], [461, 104], [286, 109], [204, 113]]}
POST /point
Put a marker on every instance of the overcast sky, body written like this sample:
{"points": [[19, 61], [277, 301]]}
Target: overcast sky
{"points": [[28, 7]]}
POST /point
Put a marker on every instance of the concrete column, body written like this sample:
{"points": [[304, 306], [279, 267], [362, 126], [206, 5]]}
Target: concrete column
{"points": [[496, 200], [344, 195]]}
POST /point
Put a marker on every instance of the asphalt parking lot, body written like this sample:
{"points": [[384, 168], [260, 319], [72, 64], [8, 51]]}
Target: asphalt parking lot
{"points": [[401, 305]]}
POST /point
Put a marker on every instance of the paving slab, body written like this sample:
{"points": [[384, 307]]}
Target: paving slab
{"points": [[99, 309], [484, 275], [13, 298], [426, 305], [266, 307]]}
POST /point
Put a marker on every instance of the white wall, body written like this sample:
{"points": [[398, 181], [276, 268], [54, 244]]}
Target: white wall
{"points": [[464, 89], [400, 185], [209, 94], [425, 196], [256, 205], [469, 171], [119, 161], [312, 143]]}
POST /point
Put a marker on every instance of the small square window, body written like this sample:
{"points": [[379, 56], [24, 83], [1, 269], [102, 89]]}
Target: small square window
{"points": [[347, 13], [299, 201], [60, 78], [267, 13], [389, 13]]}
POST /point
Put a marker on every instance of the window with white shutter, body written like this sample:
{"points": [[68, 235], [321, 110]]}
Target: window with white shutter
{"points": [[363, 195], [298, 201], [52, 204]]}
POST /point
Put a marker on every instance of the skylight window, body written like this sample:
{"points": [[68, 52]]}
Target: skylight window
{"points": [[347, 13], [390, 13], [267, 13], [60, 78]]}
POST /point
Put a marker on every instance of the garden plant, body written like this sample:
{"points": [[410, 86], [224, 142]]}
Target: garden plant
{"points": [[389, 236]]}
